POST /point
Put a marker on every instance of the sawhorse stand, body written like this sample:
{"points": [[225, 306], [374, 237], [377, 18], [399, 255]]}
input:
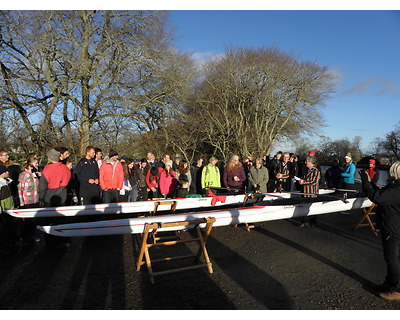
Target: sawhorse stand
{"points": [[201, 239], [248, 226], [173, 205], [368, 212]]}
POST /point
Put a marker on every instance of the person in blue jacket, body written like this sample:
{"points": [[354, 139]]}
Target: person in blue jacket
{"points": [[348, 172]]}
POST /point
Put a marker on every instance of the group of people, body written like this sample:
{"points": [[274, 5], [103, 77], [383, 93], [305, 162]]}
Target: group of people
{"points": [[95, 179]]}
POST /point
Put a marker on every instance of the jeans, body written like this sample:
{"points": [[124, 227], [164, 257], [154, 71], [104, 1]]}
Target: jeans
{"points": [[142, 194], [391, 252], [133, 194]]}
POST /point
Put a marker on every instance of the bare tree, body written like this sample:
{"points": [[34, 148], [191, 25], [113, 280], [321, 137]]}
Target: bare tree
{"points": [[356, 150], [392, 143], [377, 146], [73, 70], [251, 97]]}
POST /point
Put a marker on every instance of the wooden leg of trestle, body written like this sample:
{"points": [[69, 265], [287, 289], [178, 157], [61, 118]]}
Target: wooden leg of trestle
{"points": [[247, 226], [366, 217], [202, 249], [143, 249], [201, 239]]}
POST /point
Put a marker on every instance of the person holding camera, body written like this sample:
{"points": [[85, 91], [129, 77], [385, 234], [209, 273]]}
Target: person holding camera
{"points": [[388, 201]]}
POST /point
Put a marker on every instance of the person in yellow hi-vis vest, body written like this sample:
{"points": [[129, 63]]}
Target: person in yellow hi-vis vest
{"points": [[210, 176]]}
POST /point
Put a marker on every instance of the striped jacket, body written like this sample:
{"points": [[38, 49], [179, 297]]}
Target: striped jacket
{"points": [[28, 188], [286, 169], [311, 181]]}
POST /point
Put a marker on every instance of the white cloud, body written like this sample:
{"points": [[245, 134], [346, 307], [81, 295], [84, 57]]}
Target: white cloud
{"points": [[338, 76], [202, 57], [379, 86]]}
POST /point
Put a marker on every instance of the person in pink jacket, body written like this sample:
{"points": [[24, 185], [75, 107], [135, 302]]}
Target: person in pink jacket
{"points": [[111, 178], [168, 181]]}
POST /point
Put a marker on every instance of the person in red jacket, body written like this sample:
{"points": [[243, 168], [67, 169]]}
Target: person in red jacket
{"points": [[54, 181], [111, 177], [372, 172], [53, 191], [152, 181]]}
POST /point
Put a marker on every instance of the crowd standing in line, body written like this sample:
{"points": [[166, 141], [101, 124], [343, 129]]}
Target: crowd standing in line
{"points": [[97, 179]]}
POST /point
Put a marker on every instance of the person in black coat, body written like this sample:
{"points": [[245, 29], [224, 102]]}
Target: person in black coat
{"points": [[333, 175], [387, 200], [87, 172], [195, 172]]}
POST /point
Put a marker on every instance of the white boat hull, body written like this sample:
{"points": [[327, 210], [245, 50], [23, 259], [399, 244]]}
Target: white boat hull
{"points": [[121, 207], [137, 206], [252, 214]]}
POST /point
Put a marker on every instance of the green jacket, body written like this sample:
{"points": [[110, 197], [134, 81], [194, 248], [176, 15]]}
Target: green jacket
{"points": [[260, 177], [210, 177], [6, 199]]}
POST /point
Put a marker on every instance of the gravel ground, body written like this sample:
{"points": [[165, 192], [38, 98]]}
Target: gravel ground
{"points": [[276, 265]]}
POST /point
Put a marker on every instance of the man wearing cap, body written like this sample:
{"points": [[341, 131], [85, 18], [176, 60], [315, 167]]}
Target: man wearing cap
{"points": [[54, 181], [111, 177], [210, 176], [348, 173], [317, 165], [87, 171]]}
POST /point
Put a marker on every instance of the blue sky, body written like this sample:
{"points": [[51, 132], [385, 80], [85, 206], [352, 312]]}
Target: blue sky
{"points": [[362, 48]]}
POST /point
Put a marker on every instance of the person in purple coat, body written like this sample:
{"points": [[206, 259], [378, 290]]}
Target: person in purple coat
{"points": [[234, 175]]}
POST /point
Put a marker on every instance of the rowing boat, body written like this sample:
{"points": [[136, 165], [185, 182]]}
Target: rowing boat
{"points": [[148, 205], [139, 206], [265, 211]]}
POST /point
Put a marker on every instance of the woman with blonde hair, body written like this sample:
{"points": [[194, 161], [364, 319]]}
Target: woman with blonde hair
{"points": [[234, 175], [388, 201]]}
